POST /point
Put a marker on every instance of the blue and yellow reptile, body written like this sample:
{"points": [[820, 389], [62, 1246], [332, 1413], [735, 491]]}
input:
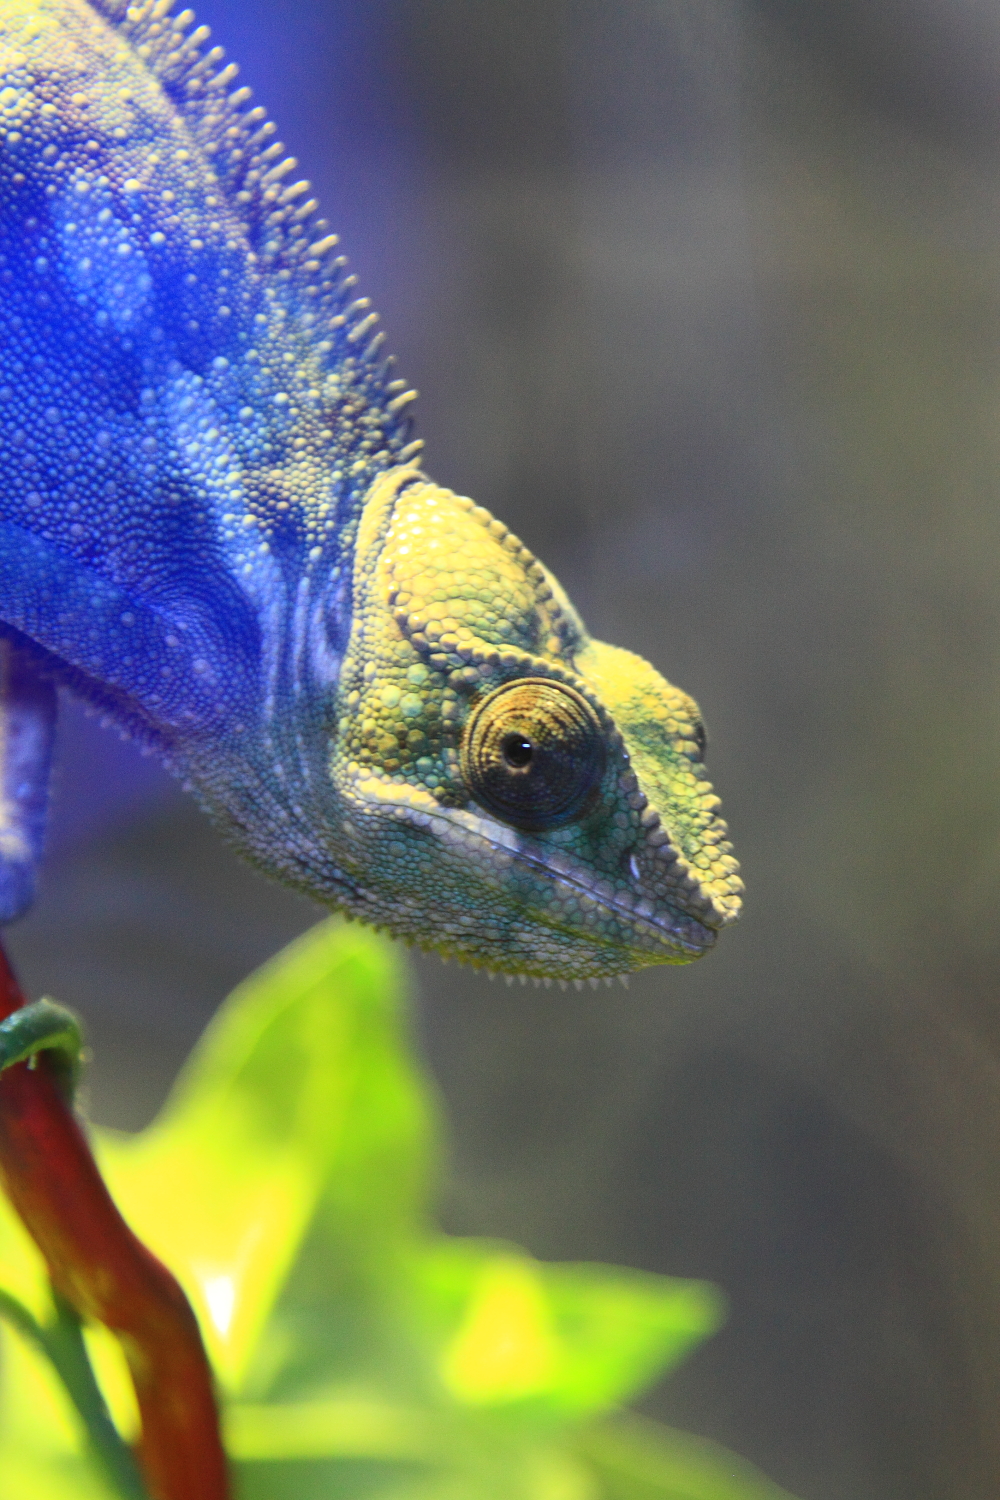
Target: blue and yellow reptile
{"points": [[214, 527]]}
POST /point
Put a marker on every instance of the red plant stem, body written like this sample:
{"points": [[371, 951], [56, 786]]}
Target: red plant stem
{"points": [[107, 1274]]}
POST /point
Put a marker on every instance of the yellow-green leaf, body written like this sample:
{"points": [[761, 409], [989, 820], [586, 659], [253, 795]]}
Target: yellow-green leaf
{"points": [[225, 1183]]}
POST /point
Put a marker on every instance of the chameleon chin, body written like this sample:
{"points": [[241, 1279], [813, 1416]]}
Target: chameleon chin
{"points": [[214, 527]]}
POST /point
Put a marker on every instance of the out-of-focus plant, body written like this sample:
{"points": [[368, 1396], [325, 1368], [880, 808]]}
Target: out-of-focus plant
{"points": [[359, 1351]]}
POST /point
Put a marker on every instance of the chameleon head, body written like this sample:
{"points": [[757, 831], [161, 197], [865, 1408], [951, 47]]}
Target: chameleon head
{"points": [[541, 793]]}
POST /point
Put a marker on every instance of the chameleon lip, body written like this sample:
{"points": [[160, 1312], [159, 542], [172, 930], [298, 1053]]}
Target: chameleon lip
{"points": [[624, 913], [699, 937]]}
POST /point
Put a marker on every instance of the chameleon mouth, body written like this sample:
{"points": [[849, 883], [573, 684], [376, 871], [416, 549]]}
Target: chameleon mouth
{"points": [[653, 931], [683, 932]]}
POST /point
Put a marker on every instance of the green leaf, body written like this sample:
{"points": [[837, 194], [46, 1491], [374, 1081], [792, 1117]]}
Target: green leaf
{"points": [[636, 1459], [363, 1353], [300, 1088], [566, 1340]]}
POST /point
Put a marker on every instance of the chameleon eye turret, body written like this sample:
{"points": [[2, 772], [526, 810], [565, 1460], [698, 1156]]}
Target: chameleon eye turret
{"points": [[214, 527], [533, 754]]}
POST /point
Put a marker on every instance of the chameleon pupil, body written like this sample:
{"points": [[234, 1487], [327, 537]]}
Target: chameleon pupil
{"points": [[517, 751]]}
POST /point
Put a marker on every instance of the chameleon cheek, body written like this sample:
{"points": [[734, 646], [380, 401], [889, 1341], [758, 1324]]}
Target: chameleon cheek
{"points": [[503, 899]]}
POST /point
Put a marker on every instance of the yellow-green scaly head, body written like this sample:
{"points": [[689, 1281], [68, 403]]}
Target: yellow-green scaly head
{"points": [[514, 794]]}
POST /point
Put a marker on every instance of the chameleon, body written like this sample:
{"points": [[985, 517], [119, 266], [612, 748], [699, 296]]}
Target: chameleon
{"points": [[215, 529]]}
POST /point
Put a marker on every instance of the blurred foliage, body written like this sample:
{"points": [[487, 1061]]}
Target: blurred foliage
{"points": [[359, 1351]]}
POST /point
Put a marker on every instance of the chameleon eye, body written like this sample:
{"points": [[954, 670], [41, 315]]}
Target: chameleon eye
{"points": [[533, 753]]}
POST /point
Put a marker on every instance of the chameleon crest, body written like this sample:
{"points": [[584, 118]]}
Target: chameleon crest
{"points": [[214, 528]]}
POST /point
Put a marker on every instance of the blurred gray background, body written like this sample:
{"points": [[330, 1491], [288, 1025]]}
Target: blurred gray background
{"points": [[703, 297]]}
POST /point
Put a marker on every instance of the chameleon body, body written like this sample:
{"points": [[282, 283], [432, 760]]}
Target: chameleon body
{"points": [[213, 527]]}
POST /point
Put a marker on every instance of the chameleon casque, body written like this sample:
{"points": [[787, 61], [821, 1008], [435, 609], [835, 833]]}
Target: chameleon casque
{"points": [[213, 527]]}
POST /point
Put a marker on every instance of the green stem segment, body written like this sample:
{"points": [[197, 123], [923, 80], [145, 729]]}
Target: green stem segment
{"points": [[62, 1342], [44, 1027]]}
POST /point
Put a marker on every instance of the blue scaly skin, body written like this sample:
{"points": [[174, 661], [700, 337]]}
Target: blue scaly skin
{"points": [[213, 527]]}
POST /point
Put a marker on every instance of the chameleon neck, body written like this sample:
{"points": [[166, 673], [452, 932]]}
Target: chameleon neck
{"points": [[267, 782]]}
